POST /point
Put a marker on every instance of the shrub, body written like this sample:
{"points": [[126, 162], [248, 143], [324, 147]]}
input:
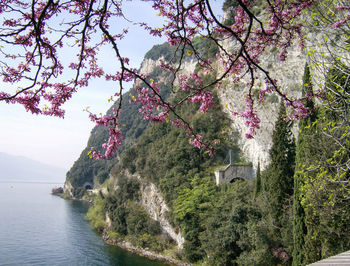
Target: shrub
{"points": [[96, 214]]}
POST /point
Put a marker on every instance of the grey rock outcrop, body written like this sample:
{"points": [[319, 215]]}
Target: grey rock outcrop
{"points": [[232, 97], [153, 202]]}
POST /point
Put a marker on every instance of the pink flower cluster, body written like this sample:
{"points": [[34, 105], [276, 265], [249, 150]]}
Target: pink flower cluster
{"points": [[252, 119], [346, 18], [204, 97], [196, 141], [281, 254], [41, 64], [151, 103], [115, 134], [299, 110]]}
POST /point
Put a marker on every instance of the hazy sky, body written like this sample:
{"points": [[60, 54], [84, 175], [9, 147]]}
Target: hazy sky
{"points": [[59, 142]]}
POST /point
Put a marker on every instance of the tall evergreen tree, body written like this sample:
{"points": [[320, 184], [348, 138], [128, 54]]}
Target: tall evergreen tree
{"points": [[325, 172], [257, 188], [302, 153], [278, 177]]}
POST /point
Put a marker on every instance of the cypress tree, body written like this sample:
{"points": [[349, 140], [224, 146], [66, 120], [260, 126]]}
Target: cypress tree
{"points": [[299, 228], [325, 196], [257, 188], [278, 177], [303, 152]]}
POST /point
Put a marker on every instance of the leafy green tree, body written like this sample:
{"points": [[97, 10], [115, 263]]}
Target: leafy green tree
{"points": [[187, 210], [278, 190], [226, 222], [96, 214], [325, 187]]}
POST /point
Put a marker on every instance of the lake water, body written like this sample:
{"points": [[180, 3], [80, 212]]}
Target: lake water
{"points": [[37, 228]]}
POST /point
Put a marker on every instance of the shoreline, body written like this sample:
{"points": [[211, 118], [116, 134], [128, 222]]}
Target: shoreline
{"points": [[140, 251], [127, 245]]}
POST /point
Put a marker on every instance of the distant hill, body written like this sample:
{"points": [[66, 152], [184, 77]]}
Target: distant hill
{"points": [[22, 169]]}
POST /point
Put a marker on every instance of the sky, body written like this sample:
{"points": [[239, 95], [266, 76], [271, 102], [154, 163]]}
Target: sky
{"points": [[57, 141]]}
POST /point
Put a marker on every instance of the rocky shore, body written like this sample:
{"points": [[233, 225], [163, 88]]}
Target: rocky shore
{"points": [[57, 191], [142, 252]]}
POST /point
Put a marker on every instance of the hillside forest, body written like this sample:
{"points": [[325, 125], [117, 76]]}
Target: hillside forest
{"points": [[294, 212]]}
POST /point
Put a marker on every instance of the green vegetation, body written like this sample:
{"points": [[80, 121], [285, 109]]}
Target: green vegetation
{"points": [[97, 215], [278, 177], [215, 220], [295, 212], [86, 169], [324, 188], [164, 157], [304, 152]]}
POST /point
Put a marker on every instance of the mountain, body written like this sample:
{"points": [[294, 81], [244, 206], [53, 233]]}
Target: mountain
{"points": [[22, 169], [87, 170], [158, 194], [139, 189]]}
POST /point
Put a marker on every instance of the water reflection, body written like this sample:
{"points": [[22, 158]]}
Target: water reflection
{"points": [[40, 229]]}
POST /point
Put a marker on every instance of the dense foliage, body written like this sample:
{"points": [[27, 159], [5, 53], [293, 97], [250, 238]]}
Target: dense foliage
{"points": [[297, 210], [86, 169], [278, 177], [324, 191], [164, 157], [304, 151]]}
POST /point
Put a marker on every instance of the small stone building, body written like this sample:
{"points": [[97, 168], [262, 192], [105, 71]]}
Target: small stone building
{"points": [[233, 172]]}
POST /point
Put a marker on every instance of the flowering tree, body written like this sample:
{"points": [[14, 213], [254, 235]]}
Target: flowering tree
{"points": [[36, 73]]}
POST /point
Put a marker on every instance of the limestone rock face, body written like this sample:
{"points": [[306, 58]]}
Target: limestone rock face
{"points": [[153, 202], [148, 65], [155, 205], [68, 188], [232, 97]]}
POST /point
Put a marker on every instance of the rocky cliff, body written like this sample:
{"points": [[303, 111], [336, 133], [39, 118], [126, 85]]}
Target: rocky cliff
{"points": [[232, 98], [153, 201], [159, 192], [150, 199]]}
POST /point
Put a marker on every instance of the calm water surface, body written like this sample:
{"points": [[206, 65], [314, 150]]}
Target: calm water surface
{"points": [[37, 228]]}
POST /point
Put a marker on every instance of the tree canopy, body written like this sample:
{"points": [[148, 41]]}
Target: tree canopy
{"points": [[35, 35]]}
